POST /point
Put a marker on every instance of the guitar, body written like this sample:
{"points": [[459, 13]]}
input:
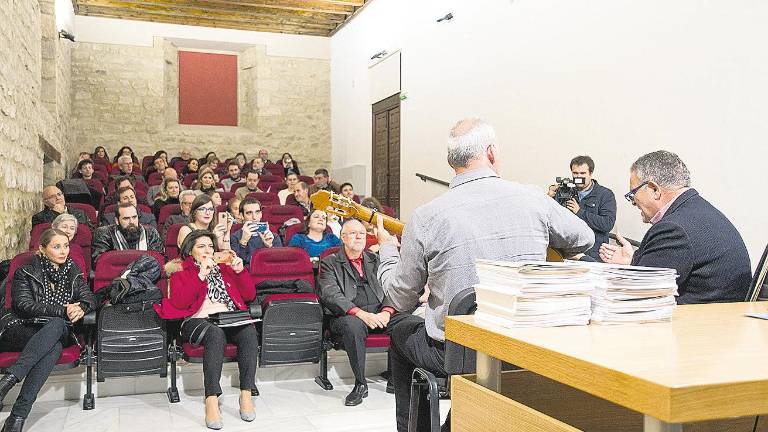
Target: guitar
{"points": [[342, 206]]}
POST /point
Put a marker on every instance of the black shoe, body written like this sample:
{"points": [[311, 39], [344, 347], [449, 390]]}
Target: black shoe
{"points": [[386, 375], [355, 397], [13, 424], [390, 387], [6, 384]]}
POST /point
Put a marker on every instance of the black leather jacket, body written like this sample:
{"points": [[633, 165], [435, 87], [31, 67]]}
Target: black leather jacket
{"points": [[104, 239], [28, 291]]}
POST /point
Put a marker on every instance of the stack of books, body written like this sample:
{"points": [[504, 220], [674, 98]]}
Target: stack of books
{"points": [[533, 293], [632, 294]]}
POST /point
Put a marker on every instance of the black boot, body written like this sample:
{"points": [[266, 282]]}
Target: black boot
{"points": [[6, 384], [13, 424]]}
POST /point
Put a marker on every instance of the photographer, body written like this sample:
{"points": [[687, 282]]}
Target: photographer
{"points": [[591, 202], [250, 237]]}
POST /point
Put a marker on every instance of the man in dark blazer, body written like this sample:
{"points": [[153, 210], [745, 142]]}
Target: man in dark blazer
{"points": [[688, 234], [352, 296]]}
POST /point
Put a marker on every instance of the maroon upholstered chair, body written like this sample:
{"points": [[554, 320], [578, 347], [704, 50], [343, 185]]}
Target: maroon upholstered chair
{"points": [[166, 211], [307, 179], [266, 199], [112, 263], [89, 211], [155, 178], [189, 179], [291, 322], [171, 248], [276, 215], [292, 230]]}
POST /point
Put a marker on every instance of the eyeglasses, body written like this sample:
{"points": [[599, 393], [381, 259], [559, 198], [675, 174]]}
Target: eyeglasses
{"points": [[356, 233], [630, 196], [206, 209]]}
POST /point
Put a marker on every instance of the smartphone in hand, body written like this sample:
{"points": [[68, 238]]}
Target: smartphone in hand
{"points": [[222, 218]]}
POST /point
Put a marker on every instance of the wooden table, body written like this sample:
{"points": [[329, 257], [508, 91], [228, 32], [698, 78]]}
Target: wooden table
{"points": [[709, 363]]}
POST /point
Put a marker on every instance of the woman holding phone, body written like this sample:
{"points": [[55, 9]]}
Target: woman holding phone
{"points": [[203, 216], [52, 291], [202, 283]]}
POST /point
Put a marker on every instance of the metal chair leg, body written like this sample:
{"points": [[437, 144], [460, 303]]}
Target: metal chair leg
{"points": [[420, 379]]}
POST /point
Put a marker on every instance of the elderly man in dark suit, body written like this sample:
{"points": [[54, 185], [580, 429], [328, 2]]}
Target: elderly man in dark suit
{"points": [[688, 234], [352, 295]]}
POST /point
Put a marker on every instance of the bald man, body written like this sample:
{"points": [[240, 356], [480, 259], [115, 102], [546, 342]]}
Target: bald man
{"points": [[55, 204]]}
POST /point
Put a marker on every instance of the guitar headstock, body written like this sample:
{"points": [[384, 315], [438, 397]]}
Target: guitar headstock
{"points": [[333, 203]]}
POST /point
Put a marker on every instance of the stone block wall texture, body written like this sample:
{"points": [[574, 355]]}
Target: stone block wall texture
{"points": [[30, 112], [128, 95]]}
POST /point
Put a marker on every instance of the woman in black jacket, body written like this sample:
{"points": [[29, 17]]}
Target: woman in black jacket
{"points": [[48, 297]]}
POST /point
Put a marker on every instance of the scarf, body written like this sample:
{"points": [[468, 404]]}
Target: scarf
{"points": [[217, 292], [56, 281], [122, 243]]}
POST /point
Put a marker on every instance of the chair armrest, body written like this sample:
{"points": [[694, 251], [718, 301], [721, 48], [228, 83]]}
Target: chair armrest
{"points": [[255, 310], [90, 319]]}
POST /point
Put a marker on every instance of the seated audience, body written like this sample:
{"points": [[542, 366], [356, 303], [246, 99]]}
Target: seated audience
{"points": [[126, 169], [127, 195], [162, 154], [208, 158], [206, 181], [126, 233], [186, 198], [687, 234], [154, 191], [241, 161], [323, 182], [351, 294], [347, 190], [185, 155], [233, 207], [203, 217], [125, 151], [100, 152], [251, 185], [289, 164], [292, 180], [200, 287], [53, 290], [120, 182], [213, 165], [84, 170], [316, 239], [67, 224], [257, 166], [159, 164], [233, 169], [55, 204], [247, 239], [215, 198], [169, 194], [192, 167], [264, 155], [300, 198]]}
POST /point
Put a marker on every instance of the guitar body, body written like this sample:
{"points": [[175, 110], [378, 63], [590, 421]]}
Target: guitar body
{"points": [[339, 205]]}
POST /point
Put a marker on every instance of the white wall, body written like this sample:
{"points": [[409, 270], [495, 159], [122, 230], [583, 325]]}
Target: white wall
{"points": [[610, 78], [140, 33]]}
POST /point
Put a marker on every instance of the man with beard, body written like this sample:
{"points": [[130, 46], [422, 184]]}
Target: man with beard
{"points": [[127, 233]]}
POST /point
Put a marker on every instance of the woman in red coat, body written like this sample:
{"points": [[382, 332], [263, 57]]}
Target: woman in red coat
{"points": [[199, 286]]}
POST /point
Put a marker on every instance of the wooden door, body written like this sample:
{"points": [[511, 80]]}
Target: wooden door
{"points": [[386, 152]]}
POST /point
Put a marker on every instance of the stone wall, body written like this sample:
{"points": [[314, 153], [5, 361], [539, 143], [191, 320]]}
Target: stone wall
{"points": [[128, 95], [30, 50]]}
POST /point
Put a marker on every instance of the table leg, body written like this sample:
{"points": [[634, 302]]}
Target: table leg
{"points": [[651, 424], [488, 372]]}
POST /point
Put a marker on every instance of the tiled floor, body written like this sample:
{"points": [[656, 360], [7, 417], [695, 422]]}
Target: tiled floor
{"points": [[287, 406]]}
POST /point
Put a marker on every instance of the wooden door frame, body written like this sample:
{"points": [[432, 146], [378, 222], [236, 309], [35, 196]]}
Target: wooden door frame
{"points": [[379, 107]]}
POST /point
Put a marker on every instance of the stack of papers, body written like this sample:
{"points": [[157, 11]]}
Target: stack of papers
{"points": [[533, 293], [632, 294]]}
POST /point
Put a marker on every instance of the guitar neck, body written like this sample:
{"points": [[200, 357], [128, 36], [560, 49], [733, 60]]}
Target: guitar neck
{"points": [[364, 214]]}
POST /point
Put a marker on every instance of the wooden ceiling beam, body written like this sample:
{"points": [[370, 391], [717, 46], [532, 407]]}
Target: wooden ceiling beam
{"points": [[219, 7], [195, 20]]}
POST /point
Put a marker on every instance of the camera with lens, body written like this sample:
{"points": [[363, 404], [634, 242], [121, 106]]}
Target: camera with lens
{"points": [[567, 189]]}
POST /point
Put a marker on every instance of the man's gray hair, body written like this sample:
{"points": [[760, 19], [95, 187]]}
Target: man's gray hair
{"points": [[64, 217], [188, 192], [664, 168], [124, 158], [468, 140]]}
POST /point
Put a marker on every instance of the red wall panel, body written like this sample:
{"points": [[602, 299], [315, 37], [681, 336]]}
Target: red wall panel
{"points": [[207, 89]]}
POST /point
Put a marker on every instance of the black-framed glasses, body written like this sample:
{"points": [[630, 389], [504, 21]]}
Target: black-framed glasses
{"points": [[630, 196]]}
